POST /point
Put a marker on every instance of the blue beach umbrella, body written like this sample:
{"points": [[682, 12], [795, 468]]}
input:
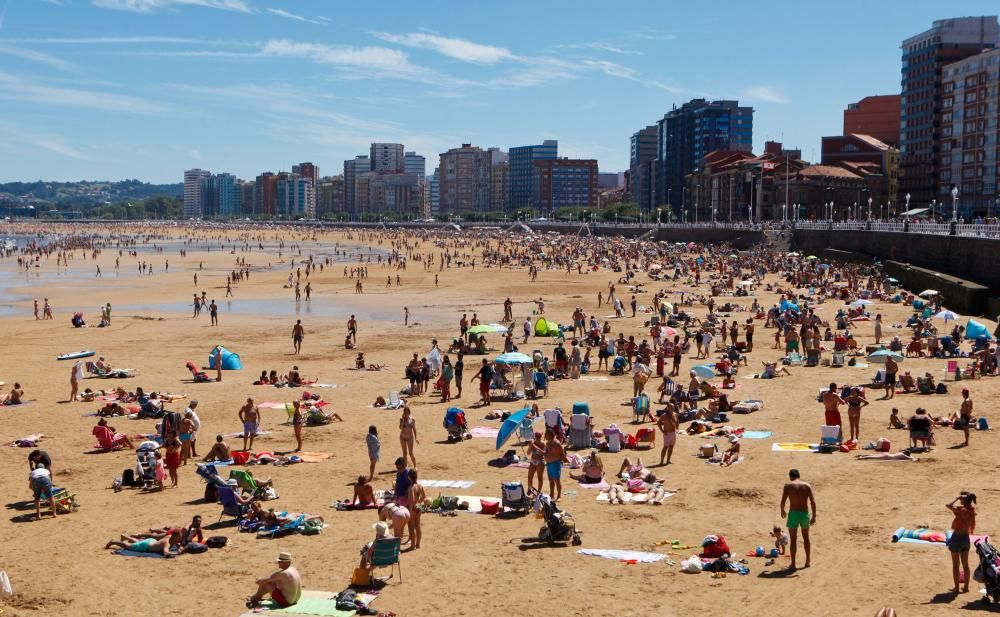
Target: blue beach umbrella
{"points": [[880, 356], [514, 357], [510, 425], [704, 371]]}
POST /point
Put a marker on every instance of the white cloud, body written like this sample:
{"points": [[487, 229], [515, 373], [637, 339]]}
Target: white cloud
{"points": [[37, 56], [54, 144], [459, 49], [599, 46], [287, 15], [127, 40], [150, 6], [16, 88], [766, 94], [611, 69]]}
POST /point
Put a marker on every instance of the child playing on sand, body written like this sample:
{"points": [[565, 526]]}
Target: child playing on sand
{"points": [[894, 421], [173, 460], [780, 539], [160, 472]]}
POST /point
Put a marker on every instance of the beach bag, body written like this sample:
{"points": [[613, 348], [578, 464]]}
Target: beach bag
{"points": [[636, 486], [489, 507], [195, 547], [240, 457], [691, 565], [216, 541], [311, 528], [982, 424], [942, 389], [714, 547], [883, 445], [360, 578]]}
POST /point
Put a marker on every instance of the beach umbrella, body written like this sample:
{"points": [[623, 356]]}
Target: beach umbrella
{"points": [[703, 371], [514, 357], [879, 357], [946, 315], [510, 426], [927, 293]]}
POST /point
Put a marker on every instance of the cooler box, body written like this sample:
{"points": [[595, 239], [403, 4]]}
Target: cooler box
{"points": [[830, 434]]}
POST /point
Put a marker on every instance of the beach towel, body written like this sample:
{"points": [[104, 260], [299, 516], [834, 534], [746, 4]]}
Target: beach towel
{"points": [[314, 457], [240, 435], [924, 535], [591, 378], [484, 431], [447, 483], [756, 434], [326, 385], [474, 501], [22, 404], [794, 447], [322, 603], [271, 405], [628, 556], [28, 441], [631, 497], [602, 485], [127, 553]]}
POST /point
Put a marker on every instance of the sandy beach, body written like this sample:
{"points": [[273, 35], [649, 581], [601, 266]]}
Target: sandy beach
{"points": [[470, 564]]}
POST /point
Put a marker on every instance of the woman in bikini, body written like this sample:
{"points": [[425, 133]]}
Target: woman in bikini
{"points": [[536, 461], [962, 526], [408, 435]]}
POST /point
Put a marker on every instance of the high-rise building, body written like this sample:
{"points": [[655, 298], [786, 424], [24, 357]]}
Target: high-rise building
{"points": [[642, 168], [689, 132], [221, 196], [246, 197], [607, 180], [464, 180], [521, 172], [192, 192], [353, 168], [308, 171], [922, 103], [396, 193], [265, 196], [970, 137], [296, 196], [498, 188], [434, 182], [387, 157], [330, 196], [563, 183], [414, 164], [877, 116]]}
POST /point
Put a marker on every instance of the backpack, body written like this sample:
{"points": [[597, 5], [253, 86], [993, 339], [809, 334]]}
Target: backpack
{"points": [[128, 477], [216, 541], [942, 388], [211, 494], [195, 547], [715, 547], [311, 528]]}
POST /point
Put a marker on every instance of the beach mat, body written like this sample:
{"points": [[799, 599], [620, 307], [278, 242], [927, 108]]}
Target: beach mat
{"points": [[756, 434], [311, 603], [602, 485], [631, 497], [447, 483], [484, 431], [794, 447], [617, 555], [313, 457], [127, 553]]}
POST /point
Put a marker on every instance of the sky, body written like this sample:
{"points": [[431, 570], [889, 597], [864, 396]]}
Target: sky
{"points": [[114, 89]]}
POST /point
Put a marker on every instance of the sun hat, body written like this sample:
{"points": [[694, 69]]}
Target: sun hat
{"points": [[734, 439], [284, 557], [381, 529]]}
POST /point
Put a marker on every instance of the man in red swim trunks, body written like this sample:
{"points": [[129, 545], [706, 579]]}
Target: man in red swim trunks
{"points": [[831, 404], [284, 586]]}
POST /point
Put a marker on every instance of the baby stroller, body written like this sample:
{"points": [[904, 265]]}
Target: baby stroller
{"points": [[145, 465], [618, 365], [988, 571], [513, 497], [457, 427], [198, 376], [559, 525]]}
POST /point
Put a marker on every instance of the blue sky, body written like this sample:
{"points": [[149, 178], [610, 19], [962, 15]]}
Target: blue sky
{"points": [[111, 89]]}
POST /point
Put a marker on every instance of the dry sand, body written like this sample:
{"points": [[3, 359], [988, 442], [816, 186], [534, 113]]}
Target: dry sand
{"points": [[469, 564]]}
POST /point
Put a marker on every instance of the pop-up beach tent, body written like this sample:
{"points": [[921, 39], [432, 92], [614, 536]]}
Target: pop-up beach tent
{"points": [[544, 327], [230, 361]]}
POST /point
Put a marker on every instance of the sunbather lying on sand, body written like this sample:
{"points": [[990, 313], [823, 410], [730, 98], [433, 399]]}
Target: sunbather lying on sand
{"points": [[150, 545], [885, 456]]}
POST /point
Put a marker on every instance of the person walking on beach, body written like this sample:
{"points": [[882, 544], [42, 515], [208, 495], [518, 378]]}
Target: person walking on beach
{"points": [[962, 526], [213, 311], [47, 310], [408, 435], [298, 332], [447, 376], [485, 377], [965, 415], [799, 496], [76, 374], [374, 449], [459, 369], [36, 310], [406, 315]]}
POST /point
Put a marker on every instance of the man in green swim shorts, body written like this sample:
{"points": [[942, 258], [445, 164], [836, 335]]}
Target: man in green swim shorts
{"points": [[800, 499]]}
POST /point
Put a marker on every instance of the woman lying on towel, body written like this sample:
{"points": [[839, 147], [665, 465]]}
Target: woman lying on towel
{"points": [[162, 546], [272, 519], [885, 456]]}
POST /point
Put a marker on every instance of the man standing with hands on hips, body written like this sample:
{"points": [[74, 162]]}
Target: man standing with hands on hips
{"points": [[800, 498]]}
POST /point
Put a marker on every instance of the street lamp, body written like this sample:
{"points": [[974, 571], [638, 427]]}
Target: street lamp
{"points": [[954, 204], [908, 207]]}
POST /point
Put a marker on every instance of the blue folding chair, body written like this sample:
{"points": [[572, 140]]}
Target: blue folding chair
{"points": [[385, 554], [542, 383], [640, 406], [230, 505]]}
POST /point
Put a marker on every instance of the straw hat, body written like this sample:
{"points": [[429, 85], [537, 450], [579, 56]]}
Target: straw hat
{"points": [[381, 529], [284, 558]]}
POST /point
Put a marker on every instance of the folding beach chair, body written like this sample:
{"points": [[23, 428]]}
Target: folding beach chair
{"points": [[580, 432], [385, 554], [230, 506], [394, 402], [640, 407], [950, 370], [541, 383], [645, 438]]}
